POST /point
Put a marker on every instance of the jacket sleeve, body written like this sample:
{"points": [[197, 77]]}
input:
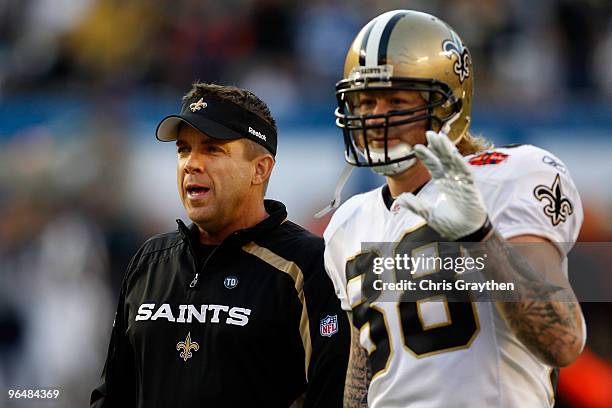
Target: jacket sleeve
{"points": [[330, 338], [118, 383]]}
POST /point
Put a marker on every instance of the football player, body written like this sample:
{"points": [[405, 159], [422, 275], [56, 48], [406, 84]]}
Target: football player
{"points": [[404, 109]]}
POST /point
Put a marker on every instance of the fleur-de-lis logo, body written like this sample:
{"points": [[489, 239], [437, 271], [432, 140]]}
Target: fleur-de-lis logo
{"points": [[196, 106], [454, 46], [558, 207], [187, 346]]}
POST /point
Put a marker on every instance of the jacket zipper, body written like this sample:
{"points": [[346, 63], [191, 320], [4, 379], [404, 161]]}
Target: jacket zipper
{"points": [[194, 282], [185, 233]]}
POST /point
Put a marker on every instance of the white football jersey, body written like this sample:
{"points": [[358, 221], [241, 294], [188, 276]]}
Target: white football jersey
{"points": [[433, 353]]}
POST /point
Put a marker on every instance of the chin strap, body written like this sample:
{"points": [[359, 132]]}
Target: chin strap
{"points": [[446, 128], [335, 202]]}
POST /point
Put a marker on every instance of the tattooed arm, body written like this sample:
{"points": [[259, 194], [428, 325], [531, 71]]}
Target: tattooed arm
{"points": [[358, 374], [547, 319]]}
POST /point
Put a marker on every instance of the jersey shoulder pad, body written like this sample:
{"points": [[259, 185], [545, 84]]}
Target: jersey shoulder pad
{"points": [[513, 162], [531, 193]]}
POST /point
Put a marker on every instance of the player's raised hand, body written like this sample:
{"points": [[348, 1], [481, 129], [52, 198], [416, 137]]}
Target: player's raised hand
{"points": [[459, 210]]}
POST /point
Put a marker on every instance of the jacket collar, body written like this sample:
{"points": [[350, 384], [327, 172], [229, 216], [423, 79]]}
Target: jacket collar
{"points": [[277, 214]]}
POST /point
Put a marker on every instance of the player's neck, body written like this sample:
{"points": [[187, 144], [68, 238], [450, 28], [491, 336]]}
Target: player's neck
{"points": [[249, 215], [408, 181]]}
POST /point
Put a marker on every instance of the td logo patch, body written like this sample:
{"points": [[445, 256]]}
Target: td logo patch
{"points": [[328, 326], [230, 282]]}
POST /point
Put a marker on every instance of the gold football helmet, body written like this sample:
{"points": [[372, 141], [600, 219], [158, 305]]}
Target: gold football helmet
{"points": [[403, 50]]}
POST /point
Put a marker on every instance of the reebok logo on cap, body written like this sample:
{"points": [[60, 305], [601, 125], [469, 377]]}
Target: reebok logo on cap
{"points": [[256, 133]]}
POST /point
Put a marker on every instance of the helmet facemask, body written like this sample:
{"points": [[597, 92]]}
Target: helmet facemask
{"points": [[363, 132]]}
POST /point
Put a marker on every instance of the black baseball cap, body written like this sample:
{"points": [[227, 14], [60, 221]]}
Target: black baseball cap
{"points": [[221, 119]]}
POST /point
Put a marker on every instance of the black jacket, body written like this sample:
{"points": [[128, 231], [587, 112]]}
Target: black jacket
{"points": [[242, 331]]}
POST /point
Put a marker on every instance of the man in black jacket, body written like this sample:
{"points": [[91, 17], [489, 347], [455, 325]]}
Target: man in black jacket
{"points": [[236, 309]]}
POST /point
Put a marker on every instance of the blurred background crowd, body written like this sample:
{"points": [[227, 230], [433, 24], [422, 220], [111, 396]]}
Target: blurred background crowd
{"points": [[83, 182]]}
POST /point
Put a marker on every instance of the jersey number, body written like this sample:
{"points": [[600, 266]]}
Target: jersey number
{"points": [[422, 340]]}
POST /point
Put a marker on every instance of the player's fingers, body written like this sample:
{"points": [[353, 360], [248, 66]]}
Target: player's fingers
{"points": [[456, 161], [461, 167], [435, 142], [412, 203], [441, 145], [448, 154], [430, 161]]}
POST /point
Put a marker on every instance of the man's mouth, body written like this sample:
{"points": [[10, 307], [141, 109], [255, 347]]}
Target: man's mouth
{"points": [[380, 141], [196, 192]]}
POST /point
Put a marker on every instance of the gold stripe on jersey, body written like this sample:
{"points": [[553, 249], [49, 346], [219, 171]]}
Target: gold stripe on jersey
{"points": [[362, 299], [550, 372], [294, 271], [362, 329], [299, 401]]}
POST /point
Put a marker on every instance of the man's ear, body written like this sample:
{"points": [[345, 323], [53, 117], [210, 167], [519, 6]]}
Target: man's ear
{"points": [[263, 169]]}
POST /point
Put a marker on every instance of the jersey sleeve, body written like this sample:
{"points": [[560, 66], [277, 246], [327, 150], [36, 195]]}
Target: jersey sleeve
{"points": [[334, 266], [538, 197], [339, 236]]}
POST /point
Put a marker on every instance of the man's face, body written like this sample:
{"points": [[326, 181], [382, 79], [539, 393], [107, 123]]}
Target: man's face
{"points": [[214, 177], [376, 103]]}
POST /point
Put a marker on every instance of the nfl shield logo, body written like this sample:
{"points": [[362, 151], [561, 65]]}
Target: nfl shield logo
{"points": [[329, 326]]}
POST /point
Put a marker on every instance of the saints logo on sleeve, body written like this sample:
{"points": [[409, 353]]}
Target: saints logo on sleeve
{"points": [[559, 207]]}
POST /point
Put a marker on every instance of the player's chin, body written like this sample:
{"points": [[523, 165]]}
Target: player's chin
{"points": [[200, 214]]}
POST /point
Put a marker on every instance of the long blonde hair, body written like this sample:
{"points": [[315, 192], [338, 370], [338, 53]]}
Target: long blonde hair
{"points": [[470, 144]]}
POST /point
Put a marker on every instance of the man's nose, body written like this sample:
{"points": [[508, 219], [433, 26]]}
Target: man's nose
{"points": [[381, 107], [195, 163]]}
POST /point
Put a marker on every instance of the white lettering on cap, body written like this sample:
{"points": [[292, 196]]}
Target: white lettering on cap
{"points": [[258, 134]]}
